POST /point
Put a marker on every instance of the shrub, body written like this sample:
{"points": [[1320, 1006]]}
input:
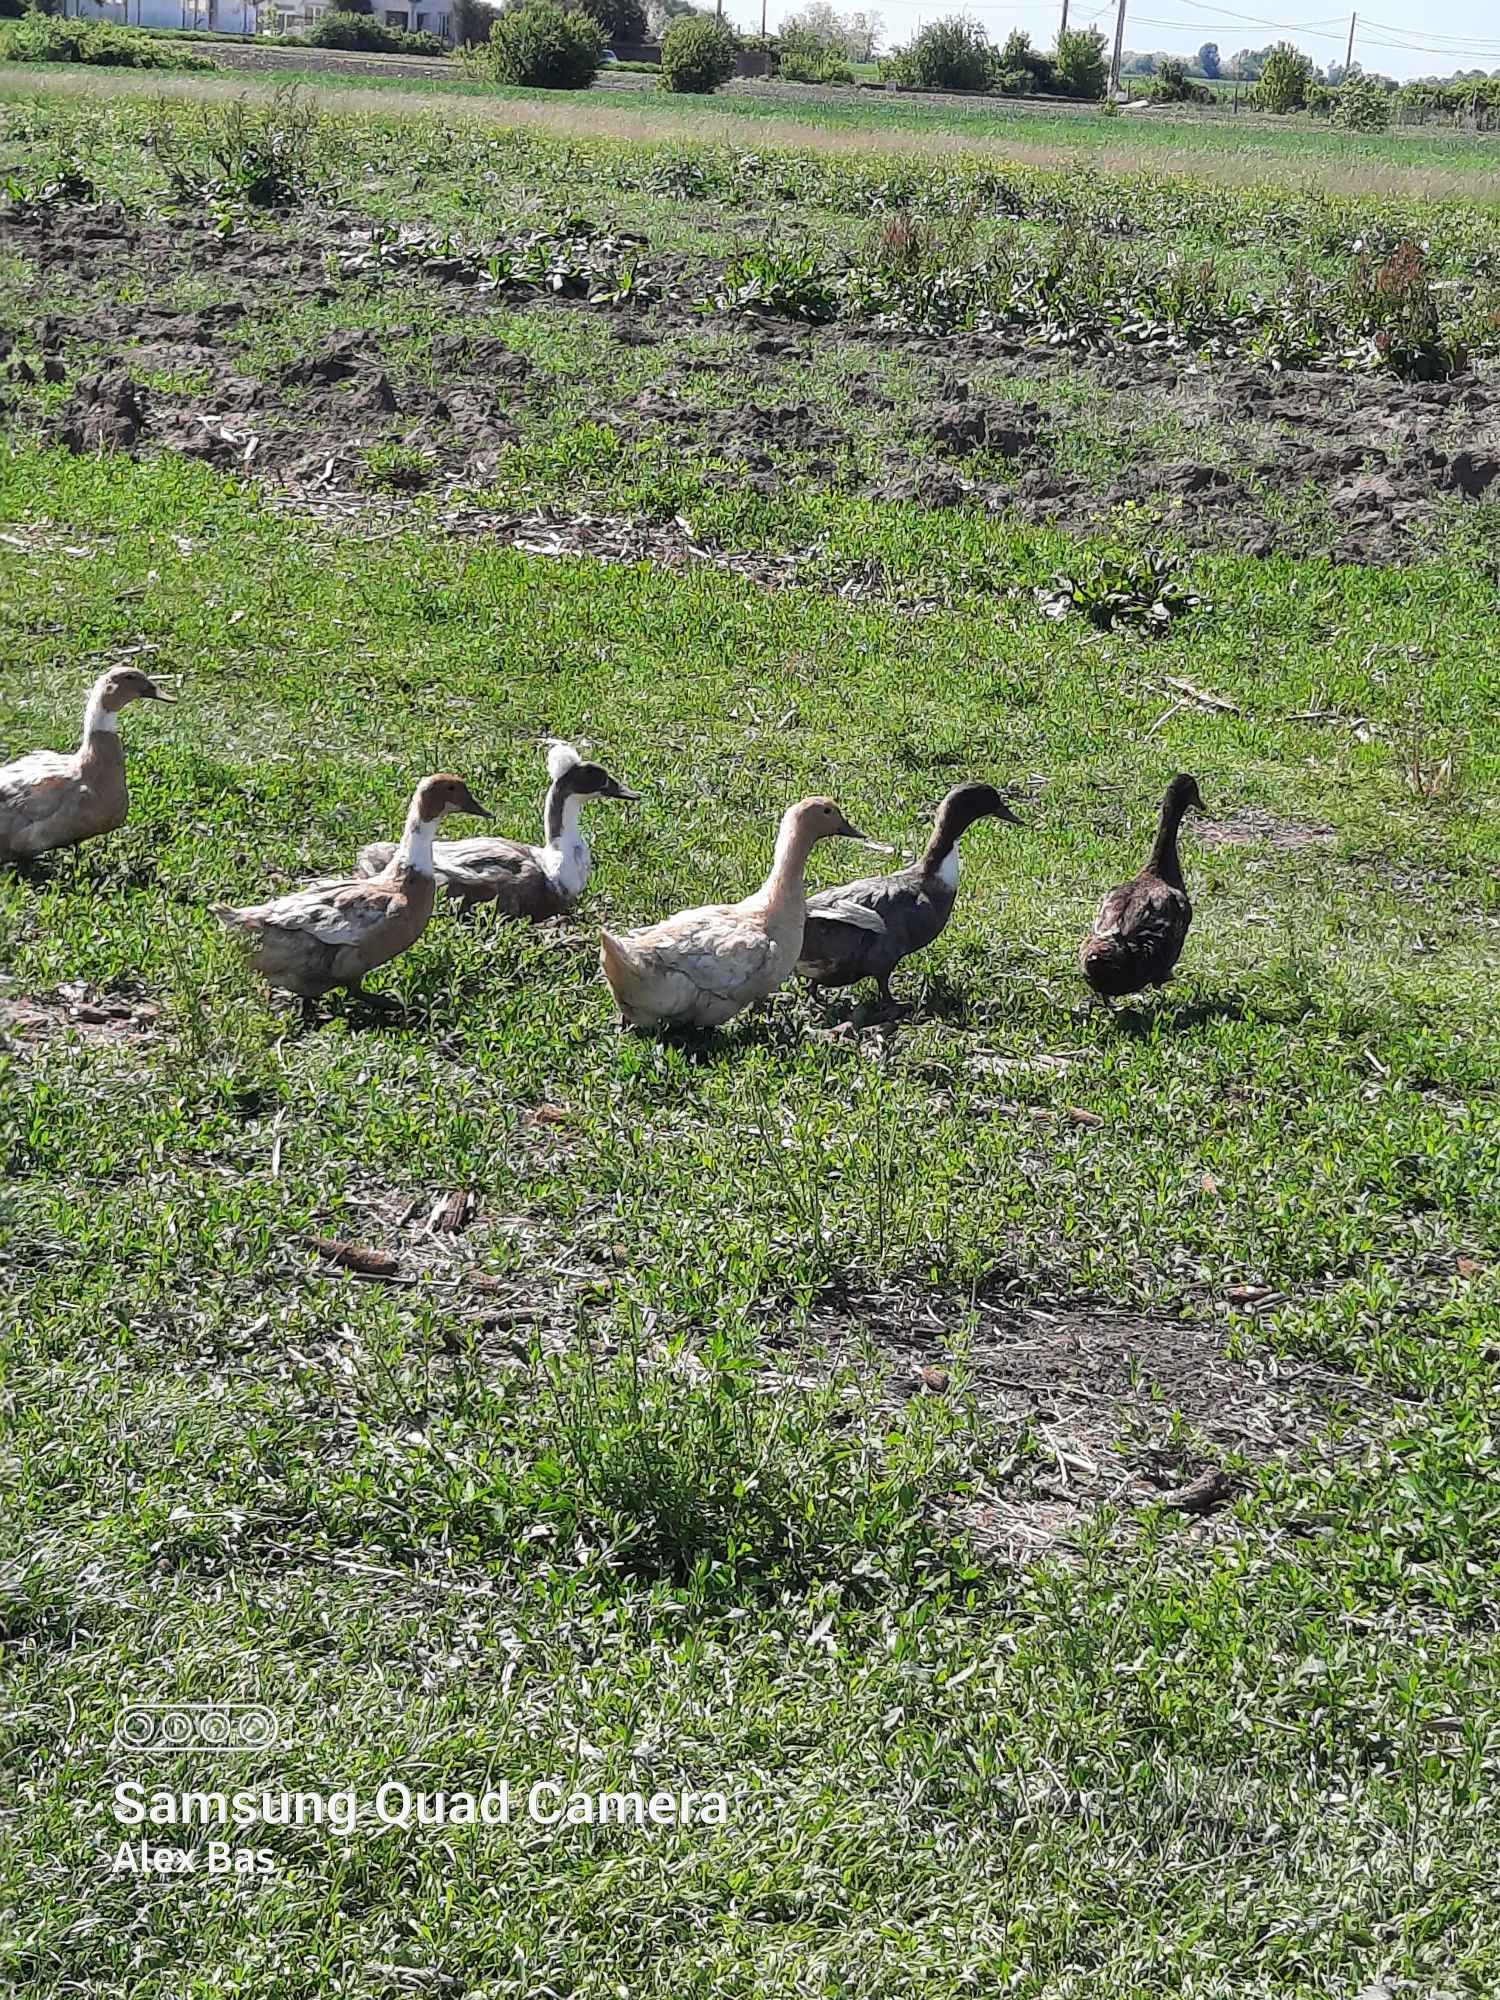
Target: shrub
{"points": [[343, 28], [829, 67], [1078, 66], [1021, 69], [1394, 311], [535, 44], [43, 38], [1360, 104], [1173, 85], [1285, 79], [265, 158], [697, 55], [950, 55]]}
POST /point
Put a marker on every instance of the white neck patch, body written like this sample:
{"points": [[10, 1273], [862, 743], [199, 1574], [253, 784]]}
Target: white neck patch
{"points": [[99, 720], [566, 861], [947, 873]]}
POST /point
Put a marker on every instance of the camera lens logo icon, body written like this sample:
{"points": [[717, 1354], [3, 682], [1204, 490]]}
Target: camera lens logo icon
{"points": [[196, 1727]]}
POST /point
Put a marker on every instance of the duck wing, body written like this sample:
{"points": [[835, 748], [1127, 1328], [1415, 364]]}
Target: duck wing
{"points": [[339, 914], [1143, 923], [38, 795]]}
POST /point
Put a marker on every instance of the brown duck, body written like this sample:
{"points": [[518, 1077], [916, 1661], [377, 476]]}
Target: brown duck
{"points": [[55, 799], [1140, 927], [332, 933]]}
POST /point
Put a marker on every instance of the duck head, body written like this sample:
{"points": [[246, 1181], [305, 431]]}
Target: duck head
{"points": [[966, 803], [812, 820], [114, 691], [1181, 796], [438, 796]]}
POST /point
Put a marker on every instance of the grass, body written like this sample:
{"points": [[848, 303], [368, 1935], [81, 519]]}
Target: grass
{"points": [[623, 1482], [1233, 153]]}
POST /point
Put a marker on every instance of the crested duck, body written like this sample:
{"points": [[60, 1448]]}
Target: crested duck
{"points": [[1141, 926], [701, 967], [334, 932], [51, 799], [520, 880], [866, 928]]}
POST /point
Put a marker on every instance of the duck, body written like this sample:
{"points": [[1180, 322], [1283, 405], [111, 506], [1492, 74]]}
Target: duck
{"points": [[334, 932], [1141, 926], [864, 929], [700, 968], [51, 799], [520, 880]]}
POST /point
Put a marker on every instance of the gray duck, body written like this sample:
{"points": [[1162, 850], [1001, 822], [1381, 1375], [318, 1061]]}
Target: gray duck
{"points": [[1141, 926], [521, 880], [864, 929]]}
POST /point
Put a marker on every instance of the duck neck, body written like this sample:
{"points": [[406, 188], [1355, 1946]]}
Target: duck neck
{"points": [[101, 735], [1164, 861], [414, 855], [940, 856], [787, 881], [566, 852]]}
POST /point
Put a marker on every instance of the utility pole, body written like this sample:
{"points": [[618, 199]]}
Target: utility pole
{"points": [[1114, 64], [1064, 28], [763, 19], [1349, 54]]}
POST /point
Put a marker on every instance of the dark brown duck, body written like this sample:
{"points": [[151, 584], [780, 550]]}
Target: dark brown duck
{"points": [[1141, 926], [864, 929]]}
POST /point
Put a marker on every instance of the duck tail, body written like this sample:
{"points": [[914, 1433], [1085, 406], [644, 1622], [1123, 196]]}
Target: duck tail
{"points": [[374, 859], [620, 970], [236, 920]]}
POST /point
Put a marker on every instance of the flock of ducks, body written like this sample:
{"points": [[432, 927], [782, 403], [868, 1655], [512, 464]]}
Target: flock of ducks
{"points": [[697, 969]]}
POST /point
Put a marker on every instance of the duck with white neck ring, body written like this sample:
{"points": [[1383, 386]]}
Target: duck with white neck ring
{"points": [[518, 879], [335, 932], [702, 967], [55, 799]]}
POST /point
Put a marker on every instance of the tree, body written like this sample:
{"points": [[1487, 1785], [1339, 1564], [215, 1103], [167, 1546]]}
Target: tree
{"points": [[621, 20], [1019, 68], [818, 27], [954, 54], [1173, 85], [1078, 66], [353, 6], [1246, 66], [538, 46], [697, 55], [1284, 80], [1208, 61], [470, 22]]}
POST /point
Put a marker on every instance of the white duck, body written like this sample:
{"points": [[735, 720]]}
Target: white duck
{"points": [[701, 967], [521, 880], [52, 799], [334, 932]]}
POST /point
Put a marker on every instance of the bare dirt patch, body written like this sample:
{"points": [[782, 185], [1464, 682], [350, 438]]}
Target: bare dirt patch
{"points": [[78, 1013], [1130, 1411], [1361, 467], [1253, 826]]}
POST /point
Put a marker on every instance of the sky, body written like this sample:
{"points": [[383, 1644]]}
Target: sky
{"points": [[1405, 38]]}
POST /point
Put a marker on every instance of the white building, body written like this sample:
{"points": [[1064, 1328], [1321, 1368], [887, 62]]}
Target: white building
{"points": [[226, 17]]}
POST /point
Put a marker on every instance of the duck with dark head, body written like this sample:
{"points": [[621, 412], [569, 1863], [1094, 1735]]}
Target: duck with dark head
{"points": [[866, 928], [1141, 926]]}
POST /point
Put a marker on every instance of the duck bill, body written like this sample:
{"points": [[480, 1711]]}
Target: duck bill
{"points": [[624, 792], [1010, 818], [160, 694]]}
